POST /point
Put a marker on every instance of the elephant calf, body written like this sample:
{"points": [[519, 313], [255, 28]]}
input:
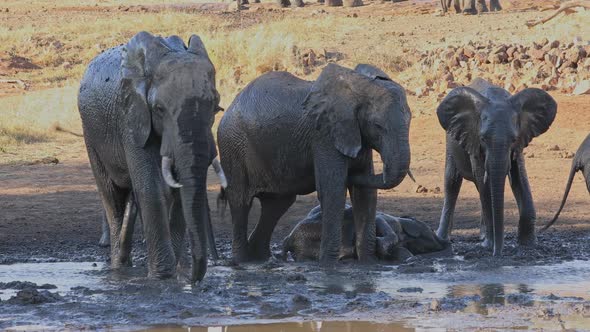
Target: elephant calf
{"points": [[283, 136], [487, 130], [397, 238], [581, 162]]}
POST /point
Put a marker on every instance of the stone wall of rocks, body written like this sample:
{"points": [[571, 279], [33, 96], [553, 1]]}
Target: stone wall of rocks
{"points": [[549, 65]]}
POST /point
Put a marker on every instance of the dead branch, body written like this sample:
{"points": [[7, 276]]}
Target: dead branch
{"points": [[16, 81], [564, 6]]}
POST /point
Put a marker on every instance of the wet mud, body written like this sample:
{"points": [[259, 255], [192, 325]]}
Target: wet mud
{"points": [[547, 287]]}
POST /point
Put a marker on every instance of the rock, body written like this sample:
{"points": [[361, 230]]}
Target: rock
{"points": [[567, 155], [33, 296], [299, 300], [410, 290], [297, 277], [542, 42], [537, 54], [481, 57], [582, 88], [469, 52], [420, 189], [553, 148], [511, 51], [574, 54], [529, 155]]}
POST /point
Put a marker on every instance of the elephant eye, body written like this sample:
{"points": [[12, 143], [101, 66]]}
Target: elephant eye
{"points": [[159, 109]]}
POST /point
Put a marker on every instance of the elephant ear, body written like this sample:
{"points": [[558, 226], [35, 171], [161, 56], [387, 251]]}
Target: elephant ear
{"points": [[459, 115], [537, 110], [371, 72], [196, 46], [334, 103], [140, 57]]}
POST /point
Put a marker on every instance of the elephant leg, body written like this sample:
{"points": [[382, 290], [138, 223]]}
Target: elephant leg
{"points": [[495, 5], [482, 7], [149, 190], [178, 230], [331, 172], [239, 215], [526, 208], [586, 173], [105, 238], [453, 181], [456, 5], [273, 209], [364, 204], [113, 201], [469, 7], [126, 239]]}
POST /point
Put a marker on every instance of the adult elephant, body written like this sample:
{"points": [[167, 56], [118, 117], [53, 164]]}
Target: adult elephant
{"points": [[283, 137], [487, 130], [581, 162], [147, 108]]}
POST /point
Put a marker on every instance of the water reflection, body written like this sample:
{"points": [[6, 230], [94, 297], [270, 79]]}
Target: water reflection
{"points": [[298, 327]]}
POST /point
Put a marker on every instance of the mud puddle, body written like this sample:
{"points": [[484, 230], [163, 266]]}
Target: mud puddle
{"points": [[444, 294]]}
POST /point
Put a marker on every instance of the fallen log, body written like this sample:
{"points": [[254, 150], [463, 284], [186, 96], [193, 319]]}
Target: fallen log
{"points": [[564, 6]]}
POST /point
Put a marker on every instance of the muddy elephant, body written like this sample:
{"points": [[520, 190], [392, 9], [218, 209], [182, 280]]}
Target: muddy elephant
{"points": [[487, 130], [581, 162], [470, 6], [147, 108], [397, 238], [130, 216], [283, 136]]}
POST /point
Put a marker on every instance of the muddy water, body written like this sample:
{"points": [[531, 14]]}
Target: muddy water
{"points": [[445, 294]]}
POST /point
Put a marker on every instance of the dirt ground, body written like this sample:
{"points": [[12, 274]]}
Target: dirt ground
{"points": [[50, 211]]}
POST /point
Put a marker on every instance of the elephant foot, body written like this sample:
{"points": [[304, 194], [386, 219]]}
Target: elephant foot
{"points": [[528, 240], [470, 12], [162, 272], [443, 235], [259, 254], [105, 240]]}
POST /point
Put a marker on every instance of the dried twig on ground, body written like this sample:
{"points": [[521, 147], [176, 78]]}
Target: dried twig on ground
{"points": [[15, 81], [564, 6]]}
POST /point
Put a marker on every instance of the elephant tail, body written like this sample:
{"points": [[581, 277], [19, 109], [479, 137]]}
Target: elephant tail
{"points": [[575, 168], [221, 202]]}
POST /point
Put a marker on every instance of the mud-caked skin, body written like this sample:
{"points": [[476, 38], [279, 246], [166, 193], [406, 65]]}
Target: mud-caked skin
{"points": [[581, 162], [397, 238], [487, 130], [470, 6], [147, 108], [283, 137]]}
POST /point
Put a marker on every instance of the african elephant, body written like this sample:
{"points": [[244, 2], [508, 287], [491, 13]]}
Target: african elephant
{"points": [[397, 238], [487, 130], [283, 136], [147, 108], [581, 162], [470, 6]]}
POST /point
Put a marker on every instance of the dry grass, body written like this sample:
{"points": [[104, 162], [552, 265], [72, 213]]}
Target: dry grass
{"points": [[241, 47]]}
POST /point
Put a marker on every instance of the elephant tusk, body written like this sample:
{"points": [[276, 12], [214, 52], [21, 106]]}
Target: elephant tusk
{"points": [[167, 173], [485, 176], [411, 175], [220, 173]]}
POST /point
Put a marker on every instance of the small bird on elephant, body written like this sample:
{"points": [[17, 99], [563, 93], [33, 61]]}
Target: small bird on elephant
{"points": [[487, 130]]}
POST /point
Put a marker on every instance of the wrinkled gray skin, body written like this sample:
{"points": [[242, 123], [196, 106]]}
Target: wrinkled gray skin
{"points": [[131, 213], [487, 129], [147, 108], [397, 238], [283, 137], [470, 6], [581, 162]]}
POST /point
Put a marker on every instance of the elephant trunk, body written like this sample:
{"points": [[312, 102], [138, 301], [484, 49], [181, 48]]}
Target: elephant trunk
{"points": [[396, 165], [497, 168], [192, 171]]}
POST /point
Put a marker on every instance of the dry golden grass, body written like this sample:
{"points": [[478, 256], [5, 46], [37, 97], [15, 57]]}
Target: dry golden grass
{"points": [[63, 41]]}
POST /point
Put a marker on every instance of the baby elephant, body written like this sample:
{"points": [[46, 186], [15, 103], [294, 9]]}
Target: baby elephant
{"points": [[397, 238], [581, 162], [487, 130]]}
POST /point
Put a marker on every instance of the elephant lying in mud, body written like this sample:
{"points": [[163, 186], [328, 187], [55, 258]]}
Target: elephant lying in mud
{"points": [[147, 108], [397, 238], [487, 130], [581, 162], [470, 6], [283, 136]]}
